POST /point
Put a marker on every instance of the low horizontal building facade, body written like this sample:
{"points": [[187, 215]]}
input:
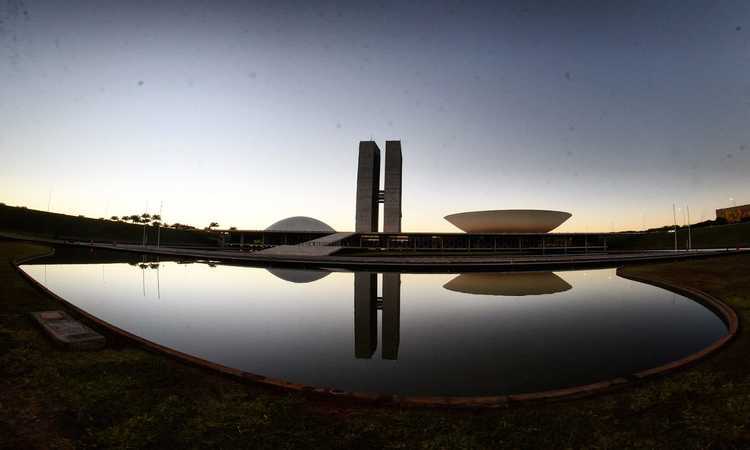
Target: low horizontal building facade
{"points": [[530, 243]]}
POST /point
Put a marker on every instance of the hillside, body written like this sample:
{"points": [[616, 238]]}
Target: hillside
{"points": [[63, 226]]}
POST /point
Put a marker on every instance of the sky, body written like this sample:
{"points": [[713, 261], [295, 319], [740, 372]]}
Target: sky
{"points": [[245, 113]]}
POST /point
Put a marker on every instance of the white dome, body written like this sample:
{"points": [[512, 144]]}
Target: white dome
{"points": [[300, 223]]}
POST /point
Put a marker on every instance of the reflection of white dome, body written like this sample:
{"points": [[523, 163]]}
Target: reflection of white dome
{"points": [[300, 223], [508, 221], [508, 283], [298, 275]]}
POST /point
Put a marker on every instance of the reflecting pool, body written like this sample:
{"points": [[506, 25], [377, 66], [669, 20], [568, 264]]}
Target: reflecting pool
{"points": [[394, 333]]}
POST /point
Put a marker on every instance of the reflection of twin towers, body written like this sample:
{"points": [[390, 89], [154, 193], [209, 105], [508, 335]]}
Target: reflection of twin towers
{"points": [[367, 303], [366, 307]]}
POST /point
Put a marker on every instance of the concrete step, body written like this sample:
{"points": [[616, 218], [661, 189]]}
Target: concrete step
{"points": [[67, 331]]}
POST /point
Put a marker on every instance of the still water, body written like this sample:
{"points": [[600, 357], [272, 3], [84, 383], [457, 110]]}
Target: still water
{"points": [[409, 334]]}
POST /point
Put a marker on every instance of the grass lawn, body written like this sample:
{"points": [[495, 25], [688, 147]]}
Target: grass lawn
{"points": [[125, 397]]}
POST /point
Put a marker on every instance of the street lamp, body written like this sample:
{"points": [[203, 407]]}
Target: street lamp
{"points": [[674, 215]]}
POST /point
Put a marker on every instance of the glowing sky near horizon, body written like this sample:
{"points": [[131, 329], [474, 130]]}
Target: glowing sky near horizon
{"points": [[248, 112]]}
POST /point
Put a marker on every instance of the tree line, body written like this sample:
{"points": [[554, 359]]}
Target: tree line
{"points": [[155, 220]]}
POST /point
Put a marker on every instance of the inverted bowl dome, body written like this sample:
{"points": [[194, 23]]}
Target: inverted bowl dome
{"points": [[508, 220]]}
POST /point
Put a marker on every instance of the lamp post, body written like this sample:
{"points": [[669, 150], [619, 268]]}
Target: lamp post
{"points": [[690, 234], [674, 215]]}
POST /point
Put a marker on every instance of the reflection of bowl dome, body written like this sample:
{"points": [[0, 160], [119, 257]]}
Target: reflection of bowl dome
{"points": [[508, 220], [300, 223], [298, 275], [508, 283]]}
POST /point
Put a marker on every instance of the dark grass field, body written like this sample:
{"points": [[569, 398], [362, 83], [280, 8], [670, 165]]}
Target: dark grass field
{"points": [[716, 236], [62, 226], [125, 397]]}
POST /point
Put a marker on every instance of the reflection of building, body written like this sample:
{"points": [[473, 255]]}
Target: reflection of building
{"points": [[734, 214], [508, 283], [298, 275], [391, 314], [366, 314]]}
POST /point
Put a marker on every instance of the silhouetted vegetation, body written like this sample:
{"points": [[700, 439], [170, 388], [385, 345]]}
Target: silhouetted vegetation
{"points": [[79, 228]]}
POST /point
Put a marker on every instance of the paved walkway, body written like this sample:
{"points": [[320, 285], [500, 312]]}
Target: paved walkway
{"points": [[323, 246]]}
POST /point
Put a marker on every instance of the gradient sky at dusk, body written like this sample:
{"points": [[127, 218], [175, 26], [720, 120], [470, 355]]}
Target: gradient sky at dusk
{"points": [[248, 112]]}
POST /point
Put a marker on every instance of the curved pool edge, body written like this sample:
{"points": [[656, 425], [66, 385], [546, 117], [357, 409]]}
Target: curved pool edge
{"points": [[724, 311]]}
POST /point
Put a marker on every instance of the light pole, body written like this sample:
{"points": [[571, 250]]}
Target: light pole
{"points": [[690, 233], [674, 215]]}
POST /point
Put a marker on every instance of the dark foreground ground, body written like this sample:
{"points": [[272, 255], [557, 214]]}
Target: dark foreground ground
{"points": [[125, 397]]}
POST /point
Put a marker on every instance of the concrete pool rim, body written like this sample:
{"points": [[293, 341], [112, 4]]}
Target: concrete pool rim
{"points": [[718, 307]]}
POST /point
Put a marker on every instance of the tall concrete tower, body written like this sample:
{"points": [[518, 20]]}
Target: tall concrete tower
{"points": [[369, 194], [368, 187], [392, 197]]}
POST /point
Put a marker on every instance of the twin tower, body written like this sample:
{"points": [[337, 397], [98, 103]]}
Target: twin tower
{"points": [[369, 195]]}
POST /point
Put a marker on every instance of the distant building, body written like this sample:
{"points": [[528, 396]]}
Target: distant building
{"points": [[734, 214]]}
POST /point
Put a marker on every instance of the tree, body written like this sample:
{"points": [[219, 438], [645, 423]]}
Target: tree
{"points": [[213, 225], [146, 216], [232, 228], [115, 218], [156, 217]]}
